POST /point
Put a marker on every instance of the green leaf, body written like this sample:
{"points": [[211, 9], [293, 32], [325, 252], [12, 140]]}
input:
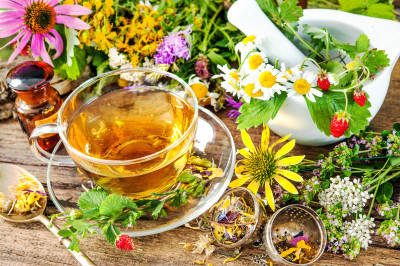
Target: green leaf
{"points": [[324, 108], [381, 10], [92, 199], [396, 127], [74, 246], [349, 5], [112, 205], [6, 52], [110, 234], [217, 59], [269, 8], [81, 226], [65, 233], [158, 209], [385, 134], [290, 11], [259, 112], [384, 191], [394, 161], [362, 44], [375, 60], [334, 67], [196, 160], [186, 176], [346, 173]]}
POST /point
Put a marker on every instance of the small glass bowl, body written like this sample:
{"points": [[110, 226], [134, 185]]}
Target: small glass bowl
{"points": [[292, 219], [259, 215]]}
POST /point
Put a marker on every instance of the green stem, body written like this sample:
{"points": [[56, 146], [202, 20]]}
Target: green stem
{"points": [[398, 212], [374, 180], [304, 42], [208, 29], [230, 42], [373, 199], [389, 178], [347, 101]]}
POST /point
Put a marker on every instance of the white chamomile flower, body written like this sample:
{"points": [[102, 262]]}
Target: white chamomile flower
{"points": [[250, 90], [231, 78], [286, 71], [199, 87], [148, 4], [254, 62], [303, 84], [116, 59], [270, 80], [213, 97], [247, 45], [333, 79]]}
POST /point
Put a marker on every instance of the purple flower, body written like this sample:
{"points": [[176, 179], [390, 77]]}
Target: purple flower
{"points": [[234, 113], [201, 67], [174, 46], [35, 19], [297, 239]]}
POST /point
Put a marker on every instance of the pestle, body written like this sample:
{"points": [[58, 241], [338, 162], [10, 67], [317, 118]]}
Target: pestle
{"points": [[248, 17]]}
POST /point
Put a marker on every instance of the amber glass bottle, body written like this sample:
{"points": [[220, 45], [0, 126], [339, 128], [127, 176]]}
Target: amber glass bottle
{"points": [[37, 102]]}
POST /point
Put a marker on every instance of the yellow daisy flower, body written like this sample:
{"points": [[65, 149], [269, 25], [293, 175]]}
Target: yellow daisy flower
{"points": [[262, 165]]}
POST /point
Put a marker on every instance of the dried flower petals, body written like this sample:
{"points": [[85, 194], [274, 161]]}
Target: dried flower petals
{"points": [[233, 219], [27, 195]]}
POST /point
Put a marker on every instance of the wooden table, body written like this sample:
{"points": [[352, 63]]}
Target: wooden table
{"points": [[33, 244]]}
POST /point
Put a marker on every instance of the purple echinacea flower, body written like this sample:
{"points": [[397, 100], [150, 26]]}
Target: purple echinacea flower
{"points": [[34, 20]]}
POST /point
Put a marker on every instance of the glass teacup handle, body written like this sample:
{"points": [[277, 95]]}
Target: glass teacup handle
{"points": [[51, 128]]}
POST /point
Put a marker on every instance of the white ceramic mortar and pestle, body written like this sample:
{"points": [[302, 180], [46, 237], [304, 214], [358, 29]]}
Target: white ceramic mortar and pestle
{"points": [[294, 117]]}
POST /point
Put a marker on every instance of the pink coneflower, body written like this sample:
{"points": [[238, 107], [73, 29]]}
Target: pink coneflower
{"points": [[36, 19]]}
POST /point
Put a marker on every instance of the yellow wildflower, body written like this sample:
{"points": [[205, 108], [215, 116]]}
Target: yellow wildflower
{"points": [[299, 246], [263, 165]]}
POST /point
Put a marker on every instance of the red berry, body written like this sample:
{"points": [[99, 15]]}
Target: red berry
{"points": [[125, 242], [25, 51], [339, 124], [323, 83], [360, 97]]}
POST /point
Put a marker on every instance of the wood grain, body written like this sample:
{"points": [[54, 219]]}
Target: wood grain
{"points": [[33, 244]]}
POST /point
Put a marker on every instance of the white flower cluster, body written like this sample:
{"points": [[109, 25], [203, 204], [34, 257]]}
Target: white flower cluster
{"points": [[350, 193], [359, 229], [255, 78], [119, 61]]}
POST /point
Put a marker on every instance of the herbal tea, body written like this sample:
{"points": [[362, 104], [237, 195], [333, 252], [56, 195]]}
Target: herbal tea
{"points": [[130, 124]]}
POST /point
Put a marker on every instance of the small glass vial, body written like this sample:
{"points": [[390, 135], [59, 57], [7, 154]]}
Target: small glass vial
{"points": [[37, 102]]}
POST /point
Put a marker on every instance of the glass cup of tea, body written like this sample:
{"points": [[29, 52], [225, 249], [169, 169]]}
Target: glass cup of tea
{"points": [[129, 130]]}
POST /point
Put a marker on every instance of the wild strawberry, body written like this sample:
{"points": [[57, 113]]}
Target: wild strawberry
{"points": [[323, 83], [25, 51], [340, 123], [125, 242], [360, 97]]}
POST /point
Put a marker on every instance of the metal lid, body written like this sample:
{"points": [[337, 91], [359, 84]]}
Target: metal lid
{"points": [[29, 75]]}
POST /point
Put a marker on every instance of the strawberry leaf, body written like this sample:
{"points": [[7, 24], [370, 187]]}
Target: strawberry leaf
{"points": [[259, 112], [375, 60], [324, 108], [290, 11]]}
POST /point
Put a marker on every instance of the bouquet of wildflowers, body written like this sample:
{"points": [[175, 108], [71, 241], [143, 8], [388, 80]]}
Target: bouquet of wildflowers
{"points": [[346, 183], [189, 38], [333, 92]]}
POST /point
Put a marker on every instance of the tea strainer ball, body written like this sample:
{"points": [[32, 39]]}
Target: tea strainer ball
{"points": [[291, 220], [259, 215]]}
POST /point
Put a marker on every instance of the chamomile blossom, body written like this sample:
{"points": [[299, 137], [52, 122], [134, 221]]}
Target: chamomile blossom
{"points": [[199, 87], [303, 83], [270, 81], [254, 62], [247, 45], [249, 89], [231, 78], [286, 70]]}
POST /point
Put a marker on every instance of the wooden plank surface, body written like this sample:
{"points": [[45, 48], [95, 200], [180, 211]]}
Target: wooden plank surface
{"points": [[33, 244]]}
